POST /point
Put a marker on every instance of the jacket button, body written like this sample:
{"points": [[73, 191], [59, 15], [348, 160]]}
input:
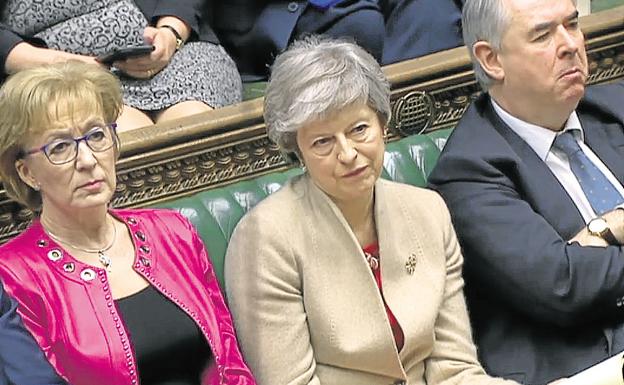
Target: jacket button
{"points": [[55, 254], [87, 275], [293, 7]]}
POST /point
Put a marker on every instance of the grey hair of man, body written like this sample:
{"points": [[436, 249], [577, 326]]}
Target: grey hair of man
{"points": [[316, 77], [485, 20]]}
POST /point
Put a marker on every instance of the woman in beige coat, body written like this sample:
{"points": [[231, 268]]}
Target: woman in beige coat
{"points": [[341, 277]]}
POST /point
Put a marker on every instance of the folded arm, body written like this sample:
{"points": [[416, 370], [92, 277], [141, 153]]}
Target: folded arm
{"points": [[522, 260]]}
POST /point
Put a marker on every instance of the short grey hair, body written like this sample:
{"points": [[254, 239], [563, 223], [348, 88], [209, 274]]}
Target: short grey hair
{"points": [[484, 20], [315, 77]]}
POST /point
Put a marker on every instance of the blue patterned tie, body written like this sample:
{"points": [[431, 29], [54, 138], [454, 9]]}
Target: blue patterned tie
{"points": [[601, 194]]}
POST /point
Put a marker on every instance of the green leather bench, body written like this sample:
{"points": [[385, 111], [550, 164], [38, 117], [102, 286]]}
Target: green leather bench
{"points": [[216, 212]]}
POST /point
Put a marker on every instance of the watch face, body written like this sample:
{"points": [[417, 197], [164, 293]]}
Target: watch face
{"points": [[597, 226]]}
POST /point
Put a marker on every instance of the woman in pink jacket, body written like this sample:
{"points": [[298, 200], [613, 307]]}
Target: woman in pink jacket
{"points": [[112, 296]]}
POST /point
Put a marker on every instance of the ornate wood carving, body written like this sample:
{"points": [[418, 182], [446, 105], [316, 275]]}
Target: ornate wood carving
{"points": [[204, 151]]}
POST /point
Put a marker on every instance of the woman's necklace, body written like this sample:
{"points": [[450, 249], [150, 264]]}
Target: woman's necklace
{"points": [[102, 257]]}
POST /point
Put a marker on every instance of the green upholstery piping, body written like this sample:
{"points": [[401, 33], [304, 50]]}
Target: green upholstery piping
{"points": [[216, 212]]}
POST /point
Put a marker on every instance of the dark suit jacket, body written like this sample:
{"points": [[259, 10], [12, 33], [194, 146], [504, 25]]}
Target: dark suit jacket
{"points": [[21, 359], [541, 308], [188, 10], [255, 31]]}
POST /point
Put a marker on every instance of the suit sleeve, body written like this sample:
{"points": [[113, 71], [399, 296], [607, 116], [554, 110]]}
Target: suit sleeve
{"points": [[265, 294], [22, 360], [454, 356], [189, 11], [517, 257]]}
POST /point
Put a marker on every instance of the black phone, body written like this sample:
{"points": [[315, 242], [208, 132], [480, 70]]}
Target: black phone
{"points": [[124, 53]]}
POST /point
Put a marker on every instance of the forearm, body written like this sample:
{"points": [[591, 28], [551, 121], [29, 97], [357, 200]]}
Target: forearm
{"points": [[25, 55], [520, 257]]}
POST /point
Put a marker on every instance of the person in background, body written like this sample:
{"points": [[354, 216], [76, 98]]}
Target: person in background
{"points": [[255, 31], [21, 360], [188, 71], [341, 277], [111, 296], [533, 175]]}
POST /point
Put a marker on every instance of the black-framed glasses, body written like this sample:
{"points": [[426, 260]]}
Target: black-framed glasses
{"points": [[61, 151]]}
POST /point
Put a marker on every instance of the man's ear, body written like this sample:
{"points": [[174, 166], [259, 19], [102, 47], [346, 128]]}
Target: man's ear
{"points": [[25, 174], [489, 59]]}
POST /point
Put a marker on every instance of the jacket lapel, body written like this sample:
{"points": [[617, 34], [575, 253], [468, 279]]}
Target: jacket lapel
{"points": [[536, 183], [413, 294], [364, 328]]}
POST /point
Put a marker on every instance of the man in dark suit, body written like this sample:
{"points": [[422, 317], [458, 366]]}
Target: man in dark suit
{"points": [[533, 177], [255, 31], [21, 360]]}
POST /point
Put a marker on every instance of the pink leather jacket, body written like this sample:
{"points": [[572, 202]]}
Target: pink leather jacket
{"points": [[67, 305]]}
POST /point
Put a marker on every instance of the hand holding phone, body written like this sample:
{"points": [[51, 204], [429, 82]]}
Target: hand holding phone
{"points": [[124, 53]]}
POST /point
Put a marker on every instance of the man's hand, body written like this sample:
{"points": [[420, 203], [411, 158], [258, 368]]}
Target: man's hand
{"points": [[615, 220]]}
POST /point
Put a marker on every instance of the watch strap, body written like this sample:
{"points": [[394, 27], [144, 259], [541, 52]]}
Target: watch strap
{"points": [[179, 40], [608, 236]]}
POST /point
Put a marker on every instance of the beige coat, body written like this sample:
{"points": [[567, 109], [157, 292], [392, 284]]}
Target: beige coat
{"points": [[306, 307]]}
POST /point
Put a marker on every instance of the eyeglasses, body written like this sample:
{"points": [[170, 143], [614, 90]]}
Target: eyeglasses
{"points": [[61, 151]]}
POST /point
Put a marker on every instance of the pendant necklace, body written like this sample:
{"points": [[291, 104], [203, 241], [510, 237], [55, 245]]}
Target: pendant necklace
{"points": [[101, 252]]}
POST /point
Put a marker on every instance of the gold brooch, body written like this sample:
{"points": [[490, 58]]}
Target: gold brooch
{"points": [[410, 265]]}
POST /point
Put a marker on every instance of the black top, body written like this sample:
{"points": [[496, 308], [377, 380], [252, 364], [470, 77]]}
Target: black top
{"points": [[170, 349]]}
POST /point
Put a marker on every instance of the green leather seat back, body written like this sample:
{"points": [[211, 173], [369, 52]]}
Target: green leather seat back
{"points": [[216, 212]]}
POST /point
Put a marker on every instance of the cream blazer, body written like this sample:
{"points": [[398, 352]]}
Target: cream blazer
{"points": [[307, 309]]}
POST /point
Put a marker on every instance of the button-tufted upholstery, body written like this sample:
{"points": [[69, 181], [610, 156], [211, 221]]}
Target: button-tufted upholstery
{"points": [[215, 212]]}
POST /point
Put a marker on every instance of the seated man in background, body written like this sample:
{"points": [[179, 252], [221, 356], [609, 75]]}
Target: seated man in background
{"points": [[533, 178], [255, 31]]}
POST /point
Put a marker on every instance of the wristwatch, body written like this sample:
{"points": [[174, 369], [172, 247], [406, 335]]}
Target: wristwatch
{"points": [[600, 228], [178, 37]]}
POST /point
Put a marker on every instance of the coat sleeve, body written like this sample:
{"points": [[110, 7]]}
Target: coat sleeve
{"points": [[517, 257], [22, 360], [237, 373], [454, 356], [265, 294]]}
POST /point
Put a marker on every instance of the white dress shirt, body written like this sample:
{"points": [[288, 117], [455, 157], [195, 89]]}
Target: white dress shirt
{"points": [[540, 139]]}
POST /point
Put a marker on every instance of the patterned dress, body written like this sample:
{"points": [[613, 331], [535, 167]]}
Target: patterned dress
{"points": [[198, 71]]}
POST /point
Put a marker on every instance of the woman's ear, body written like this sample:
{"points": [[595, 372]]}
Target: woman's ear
{"points": [[25, 174], [489, 59]]}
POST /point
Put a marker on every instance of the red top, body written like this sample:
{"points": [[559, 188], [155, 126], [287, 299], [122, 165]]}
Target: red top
{"points": [[372, 256]]}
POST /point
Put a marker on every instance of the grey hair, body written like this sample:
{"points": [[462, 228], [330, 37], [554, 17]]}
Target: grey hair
{"points": [[315, 77], [484, 20]]}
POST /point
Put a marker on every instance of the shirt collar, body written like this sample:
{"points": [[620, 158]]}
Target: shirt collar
{"points": [[540, 139]]}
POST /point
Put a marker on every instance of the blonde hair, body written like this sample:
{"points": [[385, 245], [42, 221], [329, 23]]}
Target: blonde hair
{"points": [[32, 99]]}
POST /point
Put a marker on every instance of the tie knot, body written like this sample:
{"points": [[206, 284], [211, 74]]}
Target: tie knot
{"points": [[567, 143]]}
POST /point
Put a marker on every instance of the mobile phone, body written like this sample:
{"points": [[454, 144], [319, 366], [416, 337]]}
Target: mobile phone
{"points": [[124, 53]]}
